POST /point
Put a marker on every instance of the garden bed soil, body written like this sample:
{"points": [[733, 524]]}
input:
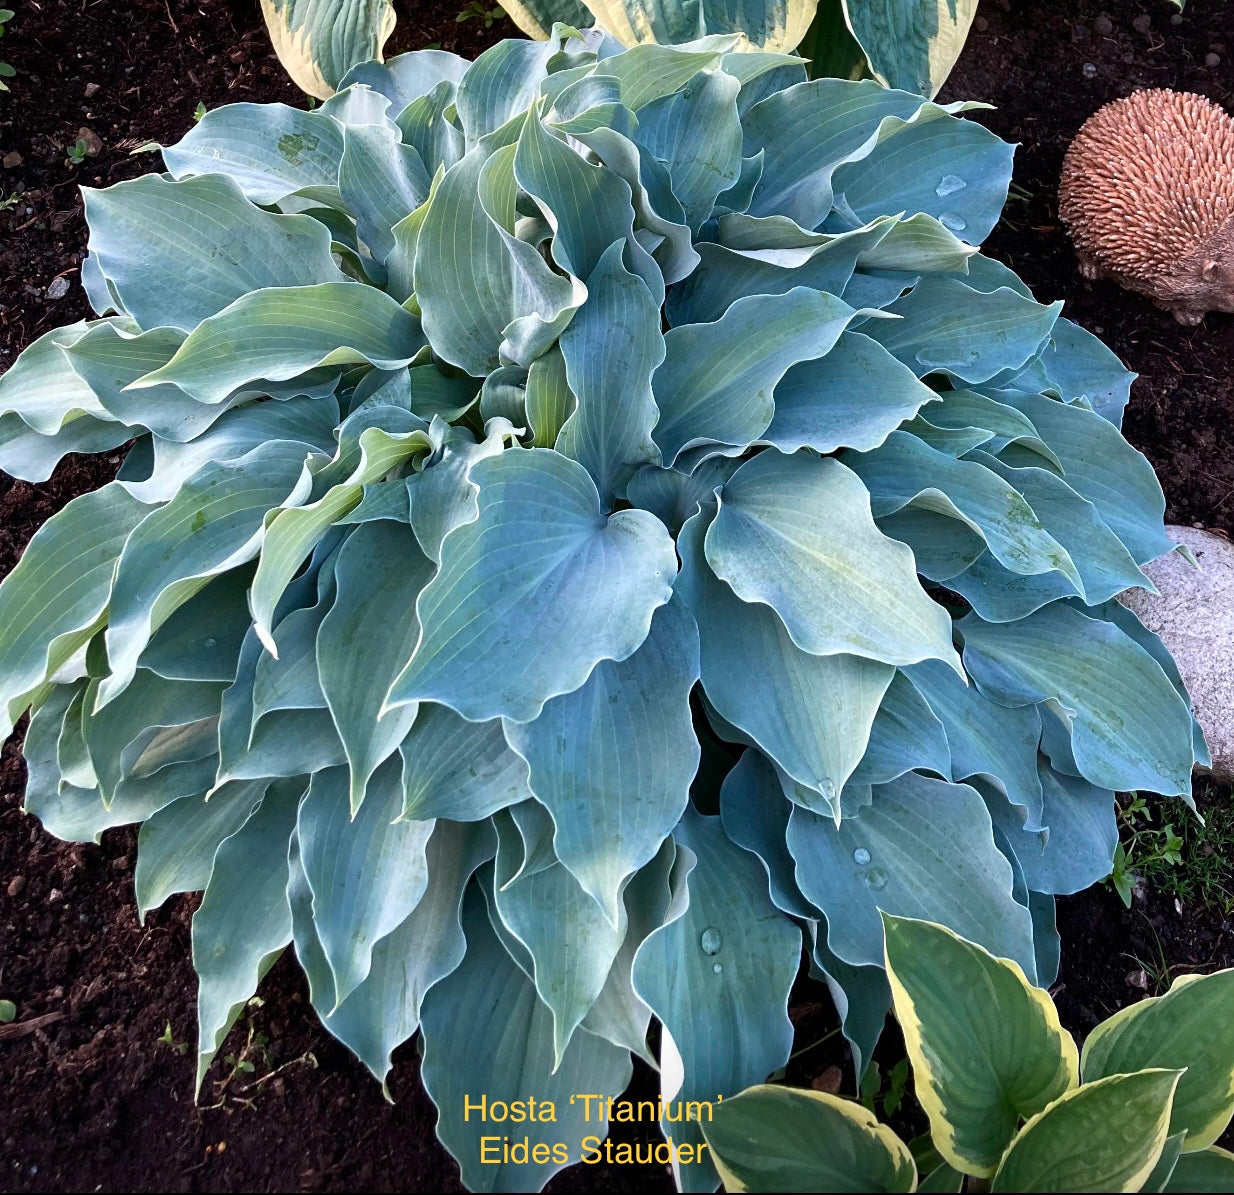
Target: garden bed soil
{"points": [[92, 1098]]}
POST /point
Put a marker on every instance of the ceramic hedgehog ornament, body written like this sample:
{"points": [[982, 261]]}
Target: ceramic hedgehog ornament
{"points": [[1147, 193]]}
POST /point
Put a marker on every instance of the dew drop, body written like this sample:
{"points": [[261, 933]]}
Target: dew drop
{"points": [[717, 967], [711, 940], [861, 856], [210, 642], [876, 878], [952, 221], [950, 184]]}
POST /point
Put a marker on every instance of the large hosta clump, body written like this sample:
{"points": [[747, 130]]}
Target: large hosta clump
{"points": [[593, 518]]}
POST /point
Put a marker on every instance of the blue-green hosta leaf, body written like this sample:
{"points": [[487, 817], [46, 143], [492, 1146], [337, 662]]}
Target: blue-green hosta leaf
{"points": [[361, 105], [269, 150], [854, 397], [696, 133], [407, 77], [474, 279], [805, 132], [911, 43], [283, 743], [984, 738], [307, 422], [906, 736], [442, 495], [380, 573], [570, 940], [202, 639], [291, 680], [319, 41], [457, 769], [968, 409], [906, 471], [549, 400], [176, 845], [754, 812], [811, 714], [1129, 727], [1189, 1027], [384, 1009], [541, 575], [1102, 467], [613, 761], [280, 332], [777, 1139], [48, 409], [487, 1035], [67, 804], [649, 72], [1102, 1136], [795, 533], [367, 871], [658, 211], [673, 496], [611, 349], [861, 995], [52, 601], [429, 126], [923, 848], [117, 735], [1129, 624], [536, 18], [382, 181], [954, 170], [619, 1014], [1076, 848], [589, 208], [213, 524], [1080, 366], [248, 887], [716, 383], [500, 84], [948, 326], [976, 1082], [717, 975], [177, 253], [1104, 565]]}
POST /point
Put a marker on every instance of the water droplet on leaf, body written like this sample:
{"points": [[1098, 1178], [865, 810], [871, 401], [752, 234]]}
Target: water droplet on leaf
{"points": [[950, 184], [876, 878], [711, 940], [952, 221], [717, 967], [210, 642], [861, 856]]}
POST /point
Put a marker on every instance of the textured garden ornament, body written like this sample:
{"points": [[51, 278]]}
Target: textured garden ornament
{"points": [[1147, 192]]}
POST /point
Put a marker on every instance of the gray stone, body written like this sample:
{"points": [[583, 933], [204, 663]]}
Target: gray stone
{"points": [[1194, 616], [58, 289], [92, 89]]}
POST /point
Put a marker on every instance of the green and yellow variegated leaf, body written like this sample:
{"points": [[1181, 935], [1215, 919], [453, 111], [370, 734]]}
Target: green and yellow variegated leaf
{"points": [[954, 1002], [1189, 1027], [773, 1139], [319, 41], [1107, 1135]]}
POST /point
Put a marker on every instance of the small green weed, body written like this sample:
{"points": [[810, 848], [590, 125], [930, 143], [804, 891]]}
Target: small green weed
{"points": [[9, 204], [1145, 848], [199, 111], [75, 154], [1204, 873], [889, 1094], [180, 1047], [8, 1012], [477, 10]]}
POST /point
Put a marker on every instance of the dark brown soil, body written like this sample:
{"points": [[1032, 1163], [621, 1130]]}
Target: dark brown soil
{"points": [[92, 1099]]}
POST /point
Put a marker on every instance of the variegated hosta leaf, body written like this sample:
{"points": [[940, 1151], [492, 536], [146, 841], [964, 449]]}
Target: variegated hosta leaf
{"points": [[430, 389], [319, 41]]}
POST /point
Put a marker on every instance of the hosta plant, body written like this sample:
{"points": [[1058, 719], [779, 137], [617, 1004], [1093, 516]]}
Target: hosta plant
{"points": [[1012, 1104], [592, 518]]}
